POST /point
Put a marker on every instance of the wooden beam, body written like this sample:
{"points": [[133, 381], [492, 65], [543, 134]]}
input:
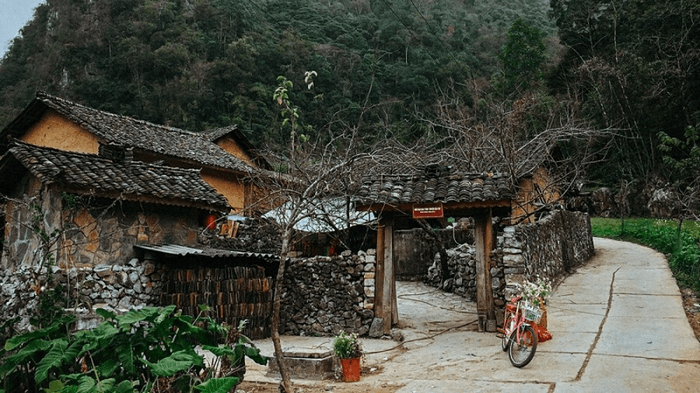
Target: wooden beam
{"points": [[447, 206], [388, 292], [379, 273], [484, 294]]}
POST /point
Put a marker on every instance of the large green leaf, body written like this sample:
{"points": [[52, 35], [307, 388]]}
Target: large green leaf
{"points": [[217, 385], [187, 329], [164, 313], [52, 359], [108, 366], [74, 350], [106, 385], [86, 385], [25, 354], [126, 358], [254, 353], [16, 341], [55, 386], [134, 316], [124, 387], [219, 351], [100, 337], [105, 313], [178, 361]]}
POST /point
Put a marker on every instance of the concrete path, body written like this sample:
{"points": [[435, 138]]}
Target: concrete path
{"points": [[618, 325]]}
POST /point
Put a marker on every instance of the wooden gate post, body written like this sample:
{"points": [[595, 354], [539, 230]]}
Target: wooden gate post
{"points": [[379, 274], [483, 233], [389, 310], [385, 304]]}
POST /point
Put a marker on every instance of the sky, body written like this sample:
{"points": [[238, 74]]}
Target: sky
{"points": [[14, 14]]}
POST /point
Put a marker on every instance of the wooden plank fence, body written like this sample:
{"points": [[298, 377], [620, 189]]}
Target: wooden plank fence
{"points": [[232, 293]]}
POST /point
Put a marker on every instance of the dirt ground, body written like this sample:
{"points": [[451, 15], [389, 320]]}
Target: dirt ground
{"points": [[691, 304]]}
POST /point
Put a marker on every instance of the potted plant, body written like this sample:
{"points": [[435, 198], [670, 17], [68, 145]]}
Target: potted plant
{"points": [[348, 349]]}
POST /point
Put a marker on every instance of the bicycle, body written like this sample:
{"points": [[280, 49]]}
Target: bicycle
{"points": [[519, 338]]}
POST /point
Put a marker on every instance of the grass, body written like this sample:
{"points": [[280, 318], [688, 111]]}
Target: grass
{"points": [[682, 248]]}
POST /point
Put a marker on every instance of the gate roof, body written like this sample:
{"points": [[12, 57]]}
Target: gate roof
{"points": [[456, 191]]}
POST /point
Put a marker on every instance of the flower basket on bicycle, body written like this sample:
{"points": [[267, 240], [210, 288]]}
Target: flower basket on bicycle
{"points": [[531, 312]]}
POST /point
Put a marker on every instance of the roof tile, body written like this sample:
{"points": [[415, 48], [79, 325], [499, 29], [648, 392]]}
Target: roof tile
{"points": [[131, 179], [168, 141], [428, 188]]}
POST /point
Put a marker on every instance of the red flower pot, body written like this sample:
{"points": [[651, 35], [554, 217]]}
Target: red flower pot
{"points": [[351, 369]]}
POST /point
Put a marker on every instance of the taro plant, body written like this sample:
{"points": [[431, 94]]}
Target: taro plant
{"points": [[147, 350]]}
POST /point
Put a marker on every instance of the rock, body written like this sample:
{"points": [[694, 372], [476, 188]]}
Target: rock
{"points": [[377, 328], [396, 335], [149, 268], [103, 270]]}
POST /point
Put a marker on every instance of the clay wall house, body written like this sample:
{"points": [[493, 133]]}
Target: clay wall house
{"points": [[534, 191], [119, 233], [225, 158], [95, 209]]}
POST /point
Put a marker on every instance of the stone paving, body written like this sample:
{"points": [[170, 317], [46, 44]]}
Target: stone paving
{"points": [[617, 323]]}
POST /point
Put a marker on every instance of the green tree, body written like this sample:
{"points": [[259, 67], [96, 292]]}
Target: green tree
{"points": [[522, 57]]}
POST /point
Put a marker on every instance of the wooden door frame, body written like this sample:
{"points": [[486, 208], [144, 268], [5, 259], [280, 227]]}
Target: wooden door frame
{"points": [[385, 301]]}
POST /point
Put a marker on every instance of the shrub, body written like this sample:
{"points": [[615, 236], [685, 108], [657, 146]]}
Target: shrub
{"points": [[682, 247], [142, 349]]}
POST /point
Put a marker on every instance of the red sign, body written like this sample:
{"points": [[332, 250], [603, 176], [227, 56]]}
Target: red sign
{"points": [[428, 211]]}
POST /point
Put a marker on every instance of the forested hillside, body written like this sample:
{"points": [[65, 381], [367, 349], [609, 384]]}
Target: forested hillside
{"points": [[205, 63], [627, 69]]}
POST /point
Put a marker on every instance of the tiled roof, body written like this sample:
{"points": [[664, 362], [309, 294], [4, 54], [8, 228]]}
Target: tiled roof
{"points": [[130, 180], [215, 134], [127, 131], [445, 188]]}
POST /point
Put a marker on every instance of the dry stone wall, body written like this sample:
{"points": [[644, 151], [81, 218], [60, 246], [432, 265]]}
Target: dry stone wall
{"points": [[120, 288], [96, 232], [462, 272], [549, 248], [324, 295]]}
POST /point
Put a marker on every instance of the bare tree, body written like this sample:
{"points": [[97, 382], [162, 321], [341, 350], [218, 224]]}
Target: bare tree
{"points": [[310, 173], [517, 138]]}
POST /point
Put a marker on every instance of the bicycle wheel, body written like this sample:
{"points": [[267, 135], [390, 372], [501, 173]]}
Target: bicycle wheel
{"points": [[507, 326], [522, 346]]}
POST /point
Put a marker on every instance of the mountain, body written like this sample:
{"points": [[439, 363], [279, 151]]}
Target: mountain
{"points": [[196, 64]]}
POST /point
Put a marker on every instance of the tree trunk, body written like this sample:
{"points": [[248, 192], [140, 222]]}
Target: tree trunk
{"points": [[286, 384]]}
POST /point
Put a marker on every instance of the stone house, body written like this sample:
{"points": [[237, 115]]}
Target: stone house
{"points": [[84, 192], [86, 210], [225, 158]]}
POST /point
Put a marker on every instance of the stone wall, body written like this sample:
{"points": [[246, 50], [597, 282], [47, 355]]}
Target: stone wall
{"points": [[86, 233], [254, 234], [549, 248], [414, 249], [117, 287], [324, 295], [462, 272]]}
